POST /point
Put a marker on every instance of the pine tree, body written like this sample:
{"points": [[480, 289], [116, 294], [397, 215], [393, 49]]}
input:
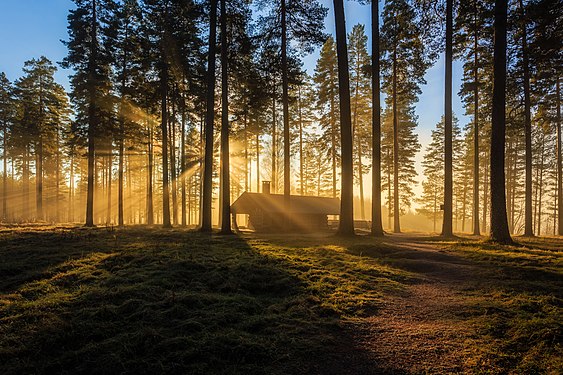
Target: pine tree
{"points": [[90, 84], [360, 91], [405, 62], [346, 223], [499, 222], [326, 80], [433, 164], [207, 191], [6, 119], [376, 217]]}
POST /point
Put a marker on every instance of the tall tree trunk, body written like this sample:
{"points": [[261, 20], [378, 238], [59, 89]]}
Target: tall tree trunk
{"points": [[225, 164], [301, 179], [5, 170], [499, 222], [356, 134], [486, 191], [274, 144], [92, 117], [346, 225], [246, 178], [183, 160], [396, 208], [110, 162], [207, 187], [150, 174], [528, 230], [447, 230], [165, 168], [540, 185], [476, 230], [285, 102], [57, 175], [25, 177], [39, 179], [333, 143], [559, 162], [257, 144], [71, 190], [173, 169], [376, 220]]}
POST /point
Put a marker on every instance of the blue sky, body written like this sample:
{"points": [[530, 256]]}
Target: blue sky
{"points": [[31, 28]]}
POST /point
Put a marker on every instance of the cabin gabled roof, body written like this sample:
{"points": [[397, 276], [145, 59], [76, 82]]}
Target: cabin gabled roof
{"points": [[248, 203]]}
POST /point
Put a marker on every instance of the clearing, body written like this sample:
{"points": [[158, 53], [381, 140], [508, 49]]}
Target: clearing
{"points": [[146, 300]]}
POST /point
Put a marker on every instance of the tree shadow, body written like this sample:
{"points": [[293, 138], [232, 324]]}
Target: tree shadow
{"points": [[167, 302]]}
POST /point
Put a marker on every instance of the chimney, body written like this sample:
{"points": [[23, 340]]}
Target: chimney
{"points": [[266, 187]]}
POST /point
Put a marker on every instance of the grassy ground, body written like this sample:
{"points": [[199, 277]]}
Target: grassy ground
{"points": [[145, 300]]}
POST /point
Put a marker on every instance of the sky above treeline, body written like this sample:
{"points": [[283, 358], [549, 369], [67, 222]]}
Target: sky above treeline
{"points": [[32, 28]]}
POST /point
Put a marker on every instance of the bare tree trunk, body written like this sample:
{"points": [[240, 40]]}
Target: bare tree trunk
{"points": [[499, 222], [173, 169], [559, 162], [540, 193], [486, 191], [285, 102], [207, 187], [183, 160], [39, 179], [528, 230], [57, 176], [333, 144], [5, 170], [476, 230], [92, 118], [257, 161], [165, 168], [301, 179], [150, 208], [274, 144], [447, 230], [346, 225], [110, 161], [376, 220], [396, 209], [71, 191], [358, 138], [225, 164]]}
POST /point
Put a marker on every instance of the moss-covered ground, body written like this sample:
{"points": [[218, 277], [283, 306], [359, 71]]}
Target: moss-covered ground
{"points": [[145, 300]]}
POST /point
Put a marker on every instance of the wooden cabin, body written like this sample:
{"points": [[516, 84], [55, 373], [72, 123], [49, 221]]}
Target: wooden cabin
{"points": [[268, 212]]}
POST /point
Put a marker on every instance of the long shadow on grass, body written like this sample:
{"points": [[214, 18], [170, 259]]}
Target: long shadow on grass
{"points": [[29, 254], [169, 302]]}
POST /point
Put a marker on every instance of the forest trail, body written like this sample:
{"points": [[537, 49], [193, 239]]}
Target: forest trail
{"points": [[422, 329]]}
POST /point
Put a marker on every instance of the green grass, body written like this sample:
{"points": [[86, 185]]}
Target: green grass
{"points": [[520, 291], [144, 300], [148, 301]]}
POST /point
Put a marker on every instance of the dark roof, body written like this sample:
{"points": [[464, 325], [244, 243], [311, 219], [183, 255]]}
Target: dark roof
{"points": [[274, 203]]}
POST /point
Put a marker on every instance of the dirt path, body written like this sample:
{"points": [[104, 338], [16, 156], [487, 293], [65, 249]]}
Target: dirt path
{"points": [[422, 330]]}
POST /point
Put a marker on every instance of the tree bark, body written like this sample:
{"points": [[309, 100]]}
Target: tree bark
{"points": [[164, 128], [150, 174], [207, 188], [499, 223], [225, 177], [447, 230], [285, 102], [396, 209], [346, 224], [92, 118], [376, 220], [183, 159], [528, 229], [559, 162], [476, 230]]}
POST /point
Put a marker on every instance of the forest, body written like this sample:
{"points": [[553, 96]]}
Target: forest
{"points": [[198, 199]]}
